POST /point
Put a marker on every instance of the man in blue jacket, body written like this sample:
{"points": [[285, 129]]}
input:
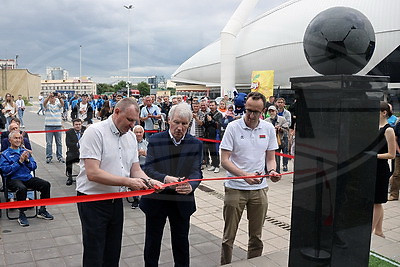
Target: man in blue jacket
{"points": [[172, 155], [16, 165]]}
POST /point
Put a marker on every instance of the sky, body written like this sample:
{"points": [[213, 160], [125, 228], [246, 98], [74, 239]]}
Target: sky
{"points": [[163, 34]]}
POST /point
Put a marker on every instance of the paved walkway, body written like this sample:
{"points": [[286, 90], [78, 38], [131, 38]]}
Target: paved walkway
{"points": [[58, 242]]}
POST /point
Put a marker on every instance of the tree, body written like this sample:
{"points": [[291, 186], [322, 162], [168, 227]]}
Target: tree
{"points": [[104, 87], [144, 88], [120, 86]]}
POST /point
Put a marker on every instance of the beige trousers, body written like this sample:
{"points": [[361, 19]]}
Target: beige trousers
{"points": [[256, 202]]}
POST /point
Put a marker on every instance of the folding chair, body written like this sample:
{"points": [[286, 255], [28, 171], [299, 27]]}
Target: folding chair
{"points": [[7, 193]]}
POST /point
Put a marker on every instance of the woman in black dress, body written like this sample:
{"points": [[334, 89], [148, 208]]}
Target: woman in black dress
{"points": [[386, 150]]}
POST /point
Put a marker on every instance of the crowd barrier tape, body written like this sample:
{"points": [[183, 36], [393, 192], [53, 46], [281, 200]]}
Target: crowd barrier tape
{"points": [[98, 197], [156, 131]]}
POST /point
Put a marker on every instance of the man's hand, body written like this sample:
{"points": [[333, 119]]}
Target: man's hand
{"points": [[136, 184], [171, 179], [24, 156], [142, 152], [184, 188], [274, 176], [252, 181], [157, 185]]}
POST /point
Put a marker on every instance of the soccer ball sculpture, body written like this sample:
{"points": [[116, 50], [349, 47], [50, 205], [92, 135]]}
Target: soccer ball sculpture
{"points": [[339, 40]]}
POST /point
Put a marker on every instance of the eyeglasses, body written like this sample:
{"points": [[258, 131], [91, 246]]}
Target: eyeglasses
{"points": [[254, 112]]}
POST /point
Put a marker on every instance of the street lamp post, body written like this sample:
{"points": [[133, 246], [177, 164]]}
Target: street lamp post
{"points": [[130, 7]]}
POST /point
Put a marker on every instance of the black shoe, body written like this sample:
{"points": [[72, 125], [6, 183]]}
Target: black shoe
{"points": [[48, 160], [285, 169], [69, 181], [135, 203], [61, 160], [22, 220]]}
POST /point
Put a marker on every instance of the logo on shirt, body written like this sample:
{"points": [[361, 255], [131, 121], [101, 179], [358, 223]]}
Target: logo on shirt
{"points": [[241, 137], [262, 136]]}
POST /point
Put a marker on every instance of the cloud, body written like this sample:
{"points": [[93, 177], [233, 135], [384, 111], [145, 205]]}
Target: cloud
{"points": [[163, 34]]}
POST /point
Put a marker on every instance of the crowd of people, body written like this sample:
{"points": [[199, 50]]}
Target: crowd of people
{"points": [[155, 142]]}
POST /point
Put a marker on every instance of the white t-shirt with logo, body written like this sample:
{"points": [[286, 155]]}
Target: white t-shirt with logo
{"points": [[248, 147]]}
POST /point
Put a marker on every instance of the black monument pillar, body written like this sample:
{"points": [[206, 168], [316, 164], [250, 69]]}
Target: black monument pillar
{"points": [[335, 169]]}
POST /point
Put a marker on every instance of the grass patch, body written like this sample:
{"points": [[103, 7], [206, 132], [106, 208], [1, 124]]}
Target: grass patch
{"points": [[376, 262]]}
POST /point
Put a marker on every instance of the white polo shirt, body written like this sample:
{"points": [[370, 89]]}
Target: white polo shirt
{"points": [[102, 141], [248, 147]]}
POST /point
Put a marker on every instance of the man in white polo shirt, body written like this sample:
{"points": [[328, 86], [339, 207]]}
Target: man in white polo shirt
{"points": [[247, 149], [108, 160]]}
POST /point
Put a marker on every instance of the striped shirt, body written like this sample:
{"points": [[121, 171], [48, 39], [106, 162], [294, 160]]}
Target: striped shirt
{"points": [[53, 114]]}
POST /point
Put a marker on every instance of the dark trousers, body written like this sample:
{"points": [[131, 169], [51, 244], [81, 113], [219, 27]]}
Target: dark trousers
{"points": [[71, 159], [179, 237], [34, 183], [283, 148], [212, 149], [102, 223]]}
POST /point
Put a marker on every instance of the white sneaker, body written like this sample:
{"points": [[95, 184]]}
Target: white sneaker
{"points": [[211, 169], [216, 170]]}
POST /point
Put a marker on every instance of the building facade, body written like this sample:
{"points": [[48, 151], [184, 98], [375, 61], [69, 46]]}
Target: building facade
{"points": [[74, 86]]}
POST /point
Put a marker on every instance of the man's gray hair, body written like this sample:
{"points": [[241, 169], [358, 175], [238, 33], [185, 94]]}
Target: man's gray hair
{"points": [[12, 133], [126, 102], [182, 110], [138, 127]]}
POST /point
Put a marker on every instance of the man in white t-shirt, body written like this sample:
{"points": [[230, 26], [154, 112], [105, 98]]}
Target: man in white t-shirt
{"points": [[247, 149], [108, 160]]}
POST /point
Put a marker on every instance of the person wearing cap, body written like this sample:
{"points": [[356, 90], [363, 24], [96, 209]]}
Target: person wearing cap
{"points": [[282, 129], [84, 111], [247, 149]]}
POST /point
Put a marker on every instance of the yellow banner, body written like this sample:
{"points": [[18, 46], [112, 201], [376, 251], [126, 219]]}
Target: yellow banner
{"points": [[263, 82]]}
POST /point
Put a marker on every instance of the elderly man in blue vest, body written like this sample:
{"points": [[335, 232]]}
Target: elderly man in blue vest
{"points": [[16, 165]]}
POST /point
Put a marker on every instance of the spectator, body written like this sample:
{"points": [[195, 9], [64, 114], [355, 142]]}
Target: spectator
{"points": [[386, 150], [271, 101], [281, 129], [9, 110], [227, 100], [14, 126], [41, 99], [150, 114], [142, 152], [175, 101], [248, 148], [282, 111], [16, 165], [84, 111], [228, 117], [105, 111], [172, 154], [65, 109], [395, 179], [53, 104], [196, 123], [72, 137], [20, 104], [212, 128], [222, 107]]}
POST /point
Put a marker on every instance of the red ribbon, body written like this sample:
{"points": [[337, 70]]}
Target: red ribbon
{"points": [[98, 197]]}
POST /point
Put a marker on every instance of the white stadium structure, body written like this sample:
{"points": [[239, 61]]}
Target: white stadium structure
{"points": [[274, 41]]}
